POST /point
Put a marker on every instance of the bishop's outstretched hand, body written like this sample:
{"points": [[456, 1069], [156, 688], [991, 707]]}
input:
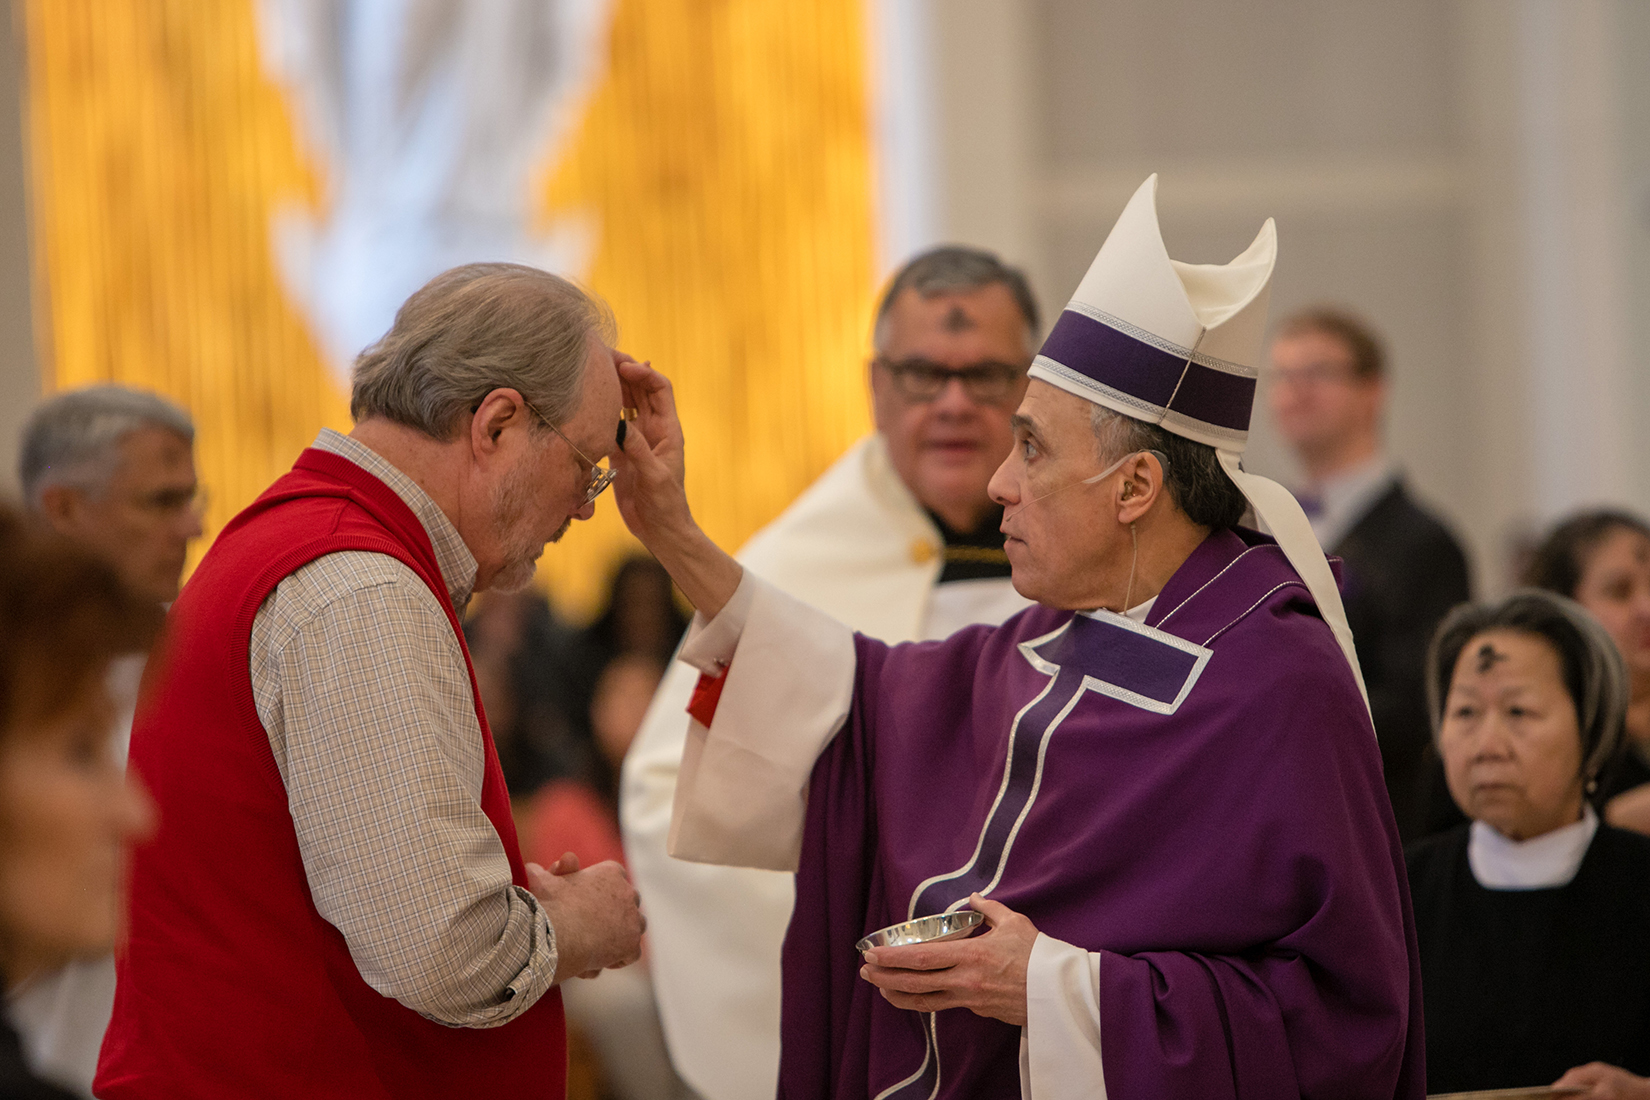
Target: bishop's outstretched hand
{"points": [[651, 471], [651, 489]]}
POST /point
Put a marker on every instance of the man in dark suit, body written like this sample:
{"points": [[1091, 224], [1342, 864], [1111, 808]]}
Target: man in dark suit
{"points": [[1403, 568]]}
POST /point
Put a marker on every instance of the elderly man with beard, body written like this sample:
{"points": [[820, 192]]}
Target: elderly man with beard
{"points": [[335, 904]]}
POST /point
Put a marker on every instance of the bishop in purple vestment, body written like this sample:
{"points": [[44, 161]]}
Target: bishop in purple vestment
{"points": [[1196, 799], [1161, 787]]}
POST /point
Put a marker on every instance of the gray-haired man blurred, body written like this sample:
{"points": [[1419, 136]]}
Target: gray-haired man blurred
{"points": [[114, 469], [899, 540]]}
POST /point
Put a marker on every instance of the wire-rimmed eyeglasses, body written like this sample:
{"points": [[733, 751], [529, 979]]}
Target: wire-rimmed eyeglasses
{"points": [[600, 476]]}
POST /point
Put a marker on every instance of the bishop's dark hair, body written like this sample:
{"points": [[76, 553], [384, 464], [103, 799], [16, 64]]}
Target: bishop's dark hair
{"points": [[1194, 477], [1593, 671]]}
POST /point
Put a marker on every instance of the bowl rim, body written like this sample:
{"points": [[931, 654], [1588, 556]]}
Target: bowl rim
{"points": [[970, 920]]}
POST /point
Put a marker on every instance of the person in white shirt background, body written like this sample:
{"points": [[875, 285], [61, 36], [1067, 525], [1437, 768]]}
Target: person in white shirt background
{"points": [[113, 470], [898, 539]]}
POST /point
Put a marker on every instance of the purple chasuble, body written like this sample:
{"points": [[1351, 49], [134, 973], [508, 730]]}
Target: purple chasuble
{"points": [[1201, 802]]}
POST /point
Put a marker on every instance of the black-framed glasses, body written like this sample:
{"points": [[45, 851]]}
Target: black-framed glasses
{"points": [[600, 476], [985, 383]]}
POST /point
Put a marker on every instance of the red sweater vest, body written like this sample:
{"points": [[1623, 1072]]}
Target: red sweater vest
{"points": [[231, 984]]}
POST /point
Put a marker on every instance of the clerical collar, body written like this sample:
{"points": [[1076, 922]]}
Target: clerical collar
{"points": [[1542, 862], [1137, 613], [977, 554]]}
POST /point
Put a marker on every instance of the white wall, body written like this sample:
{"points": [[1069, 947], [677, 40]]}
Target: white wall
{"points": [[1474, 176]]}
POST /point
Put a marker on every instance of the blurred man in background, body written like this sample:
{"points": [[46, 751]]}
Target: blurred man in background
{"points": [[113, 469], [1404, 569], [900, 540]]}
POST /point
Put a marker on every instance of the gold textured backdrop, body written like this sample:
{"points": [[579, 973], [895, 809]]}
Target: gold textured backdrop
{"points": [[724, 158]]}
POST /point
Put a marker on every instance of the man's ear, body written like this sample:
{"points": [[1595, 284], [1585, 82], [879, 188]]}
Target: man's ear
{"points": [[61, 506], [1140, 488], [500, 409]]}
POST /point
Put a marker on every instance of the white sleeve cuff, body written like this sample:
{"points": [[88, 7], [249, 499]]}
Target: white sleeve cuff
{"points": [[1060, 1050], [741, 796], [709, 645]]}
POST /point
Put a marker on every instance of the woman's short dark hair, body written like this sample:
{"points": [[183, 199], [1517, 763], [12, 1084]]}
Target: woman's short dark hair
{"points": [[64, 615], [1593, 671], [1562, 557]]}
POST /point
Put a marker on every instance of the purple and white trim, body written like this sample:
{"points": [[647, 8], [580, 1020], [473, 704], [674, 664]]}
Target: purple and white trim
{"points": [[1104, 359], [1098, 651]]}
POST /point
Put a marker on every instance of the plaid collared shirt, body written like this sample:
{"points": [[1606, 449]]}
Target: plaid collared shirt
{"points": [[362, 688]]}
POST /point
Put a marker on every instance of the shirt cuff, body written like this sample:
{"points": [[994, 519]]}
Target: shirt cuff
{"points": [[531, 982], [1060, 1051], [710, 644]]}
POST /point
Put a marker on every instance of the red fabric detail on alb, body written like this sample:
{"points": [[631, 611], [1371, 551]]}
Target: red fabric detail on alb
{"points": [[707, 693], [230, 982]]}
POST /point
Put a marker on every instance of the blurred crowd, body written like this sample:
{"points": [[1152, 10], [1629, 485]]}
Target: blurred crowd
{"points": [[1515, 734]]}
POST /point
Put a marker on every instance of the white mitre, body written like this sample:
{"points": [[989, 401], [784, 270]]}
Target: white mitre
{"points": [[1178, 345]]}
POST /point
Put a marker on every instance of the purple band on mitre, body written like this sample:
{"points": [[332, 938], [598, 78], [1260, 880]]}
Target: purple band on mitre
{"points": [[1148, 374]]}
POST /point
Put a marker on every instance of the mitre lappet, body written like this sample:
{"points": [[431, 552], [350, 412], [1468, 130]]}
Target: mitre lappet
{"points": [[1177, 344]]}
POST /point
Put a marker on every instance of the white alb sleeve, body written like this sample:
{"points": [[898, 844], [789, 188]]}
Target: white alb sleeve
{"points": [[1060, 1046], [741, 797]]}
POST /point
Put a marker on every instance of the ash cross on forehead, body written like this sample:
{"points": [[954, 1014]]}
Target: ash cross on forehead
{"points": [[958, 320], [1487, 656]]}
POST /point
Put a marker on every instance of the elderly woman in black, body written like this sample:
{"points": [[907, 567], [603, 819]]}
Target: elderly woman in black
{"points": [[1534, 919]]}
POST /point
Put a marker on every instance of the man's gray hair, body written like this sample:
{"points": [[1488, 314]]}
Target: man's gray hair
{"points": [[74, 438], [952, 268], [475, 329], [1193, 473]]}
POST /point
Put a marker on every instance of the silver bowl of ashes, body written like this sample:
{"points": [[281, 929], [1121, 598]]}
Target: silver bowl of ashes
{"points": [[942, 926]]}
